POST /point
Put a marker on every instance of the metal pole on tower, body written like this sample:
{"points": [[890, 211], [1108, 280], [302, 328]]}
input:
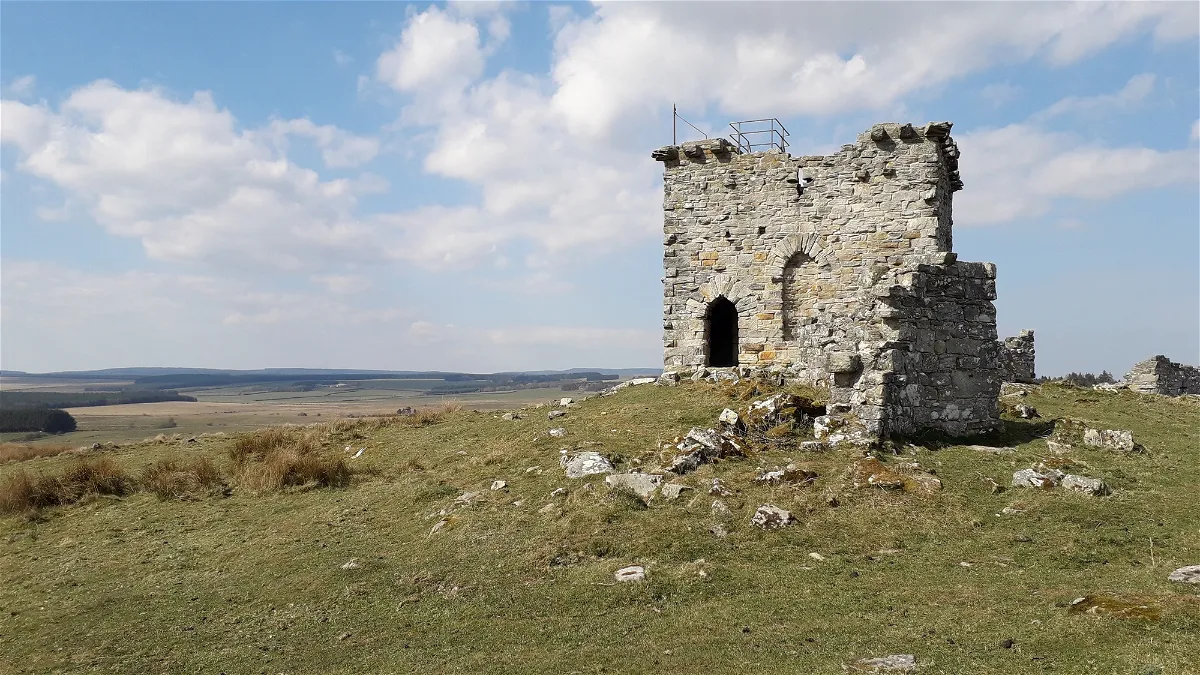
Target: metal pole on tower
{"points": [[673, 116]]}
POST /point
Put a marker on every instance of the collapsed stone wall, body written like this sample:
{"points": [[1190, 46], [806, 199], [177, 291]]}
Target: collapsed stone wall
{"points": [[1160, 375], [812, 269], [1016, 358]]}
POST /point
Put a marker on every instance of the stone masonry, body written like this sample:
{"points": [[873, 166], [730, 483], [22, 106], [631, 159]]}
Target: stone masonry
{"points": [[1160, 375], [847, 281], [1016, 358]]}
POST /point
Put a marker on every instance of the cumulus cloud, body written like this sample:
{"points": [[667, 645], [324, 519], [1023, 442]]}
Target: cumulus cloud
{"points": [[436, 50], [1133, 93], [21, 87], [185, 180]]}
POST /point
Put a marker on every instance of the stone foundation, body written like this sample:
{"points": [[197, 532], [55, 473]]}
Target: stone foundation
{"points": [[1160, 375]]}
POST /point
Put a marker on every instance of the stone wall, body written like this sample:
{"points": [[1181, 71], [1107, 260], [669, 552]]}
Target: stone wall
{"points": [[1160, 375], [847, 281], [1016, 358]]}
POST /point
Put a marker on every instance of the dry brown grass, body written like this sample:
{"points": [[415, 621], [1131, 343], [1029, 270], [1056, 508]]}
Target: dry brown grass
{"points": [[279, 457], [175, 478], [21, 493], [19, 452], [427, 415]]}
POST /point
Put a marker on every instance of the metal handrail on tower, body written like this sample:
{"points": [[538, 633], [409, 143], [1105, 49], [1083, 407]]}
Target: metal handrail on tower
{"points": [[759, 135]]}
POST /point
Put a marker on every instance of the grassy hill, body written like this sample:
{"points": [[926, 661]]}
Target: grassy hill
{"points": [[520, 580]]}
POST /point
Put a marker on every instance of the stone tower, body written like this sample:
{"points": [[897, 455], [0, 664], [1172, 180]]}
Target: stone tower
{"points": [[837, 271]]}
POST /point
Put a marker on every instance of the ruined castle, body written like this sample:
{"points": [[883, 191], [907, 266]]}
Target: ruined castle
{"points": [[837, 271]]}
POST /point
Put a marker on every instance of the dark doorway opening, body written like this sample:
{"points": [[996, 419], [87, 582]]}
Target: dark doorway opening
{"points": [[722, 331]]}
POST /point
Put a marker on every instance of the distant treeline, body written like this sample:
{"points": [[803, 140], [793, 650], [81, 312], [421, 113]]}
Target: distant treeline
{"points": [[50, 421], [1082, 379], [11, 400], [222, 380]]}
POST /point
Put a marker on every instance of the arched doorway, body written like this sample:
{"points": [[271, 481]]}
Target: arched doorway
{"points": [[721, 333]]}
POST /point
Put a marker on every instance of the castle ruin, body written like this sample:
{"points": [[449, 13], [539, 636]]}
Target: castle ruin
{"points": [[837, 271]]}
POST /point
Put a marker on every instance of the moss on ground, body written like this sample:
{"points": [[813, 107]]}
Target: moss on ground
{"points": [[255, 582]]}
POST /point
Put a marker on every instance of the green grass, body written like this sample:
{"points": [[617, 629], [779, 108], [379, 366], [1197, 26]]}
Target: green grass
{"points": [[254, 582]]}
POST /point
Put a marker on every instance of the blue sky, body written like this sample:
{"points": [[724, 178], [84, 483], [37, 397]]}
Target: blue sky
{"points": [[469, 187]]}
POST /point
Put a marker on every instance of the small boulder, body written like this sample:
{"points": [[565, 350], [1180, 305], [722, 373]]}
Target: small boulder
{"points": [[558, 432], [1186, 575], [718, 489], [1087, 486], [564, 402], [728, 418], [718, 530], [702, 446], [1031, 478], [893, 663], [771, 517], [631, 573], [668, 379], [352, 564], [499, 485], [641, 484], [511, 416], [813, 446], [555, 414], [1025, 412], [1114, 439], [585, 464], [671, 491], [720, 510], [789, 474]]}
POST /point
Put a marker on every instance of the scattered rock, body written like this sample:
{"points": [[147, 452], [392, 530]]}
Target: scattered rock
{"points": [[720, 510], [558, 492], [558, 432], [672, 491], [789, 474], [499, 485], [782, 408], [923, 483], [466, 498], [771, 517], [668, 379], [631, 573], [352, 564], [894, 663], [702, 446], [1115, 439], [728, 419], [1186, 575], [549, 508], [869, 471], [1088, 486], [439, 525], [718, 489], [555, 414], [1031, 478], [641, 484], [1025, 412], [993, 487], [511, 416], [718, 530], [585, 464], [813, 446], [564, 402], [817, 556], [837, 430]]}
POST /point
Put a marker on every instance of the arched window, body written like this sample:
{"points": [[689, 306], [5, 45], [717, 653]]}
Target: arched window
{"points": [[721, 333], [801, 281]]}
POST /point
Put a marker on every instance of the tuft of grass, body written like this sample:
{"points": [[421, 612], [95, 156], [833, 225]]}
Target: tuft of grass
{"points": [[174, 478], [427, 415], [279, 457], [19, 452], [22, 493]]}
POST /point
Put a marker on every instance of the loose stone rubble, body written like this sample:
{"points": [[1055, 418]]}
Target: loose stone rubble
{"points": [[1031, 478], [771, 517], [702, 446], [894, 663], [1046, 478], [641, 484], [1113, 439], [1186, 575], [585, 464], [631, 573], [846, 282]]}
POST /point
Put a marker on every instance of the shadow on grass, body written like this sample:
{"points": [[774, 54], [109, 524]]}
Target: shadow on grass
{"points": [[1012, 432]]}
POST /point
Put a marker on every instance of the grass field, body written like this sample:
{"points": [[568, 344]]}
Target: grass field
{"points": [[517, 580]]}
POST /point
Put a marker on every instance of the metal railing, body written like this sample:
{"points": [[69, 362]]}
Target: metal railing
{"points": [[759, 135]]}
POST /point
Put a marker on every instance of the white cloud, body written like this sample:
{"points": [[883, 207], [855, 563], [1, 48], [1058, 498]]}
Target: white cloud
{"points": [[1000, 93], [435, 51], [1133, 93], [185, 181], [1017, 171], [342, 58], [22, 87], [343, 284]]}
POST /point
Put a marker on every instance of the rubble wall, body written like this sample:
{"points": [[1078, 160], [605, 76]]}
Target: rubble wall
{"points": [[1016, 358], [1160, 375]]}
